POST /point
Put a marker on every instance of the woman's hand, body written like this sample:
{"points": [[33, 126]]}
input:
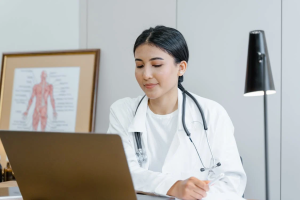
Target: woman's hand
{"points": [[191, 188]]}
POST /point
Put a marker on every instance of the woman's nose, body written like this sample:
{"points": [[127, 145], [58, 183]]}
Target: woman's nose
{"points": [[147, 73]]}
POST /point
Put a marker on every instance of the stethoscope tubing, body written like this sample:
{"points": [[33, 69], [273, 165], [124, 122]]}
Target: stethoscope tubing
{"points": [[137, 134], [184, 93], [196, 102]]}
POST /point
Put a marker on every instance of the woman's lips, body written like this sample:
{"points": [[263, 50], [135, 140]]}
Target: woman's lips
{"points": [[150, 86]]}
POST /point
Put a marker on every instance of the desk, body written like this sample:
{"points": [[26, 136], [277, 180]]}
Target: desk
{"points": [[10, 191], [139, 197], [147, 197], [9, 188]]}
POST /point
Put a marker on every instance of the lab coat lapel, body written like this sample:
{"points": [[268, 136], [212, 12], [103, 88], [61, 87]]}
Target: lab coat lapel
{"points": [[139, 125], [176, 151], [139, 121]]}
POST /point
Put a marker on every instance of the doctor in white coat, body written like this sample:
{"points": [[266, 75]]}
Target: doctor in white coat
{"points": [[172, 167]]}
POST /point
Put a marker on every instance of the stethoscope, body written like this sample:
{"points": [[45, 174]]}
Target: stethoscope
{"points": [[141, 154]]}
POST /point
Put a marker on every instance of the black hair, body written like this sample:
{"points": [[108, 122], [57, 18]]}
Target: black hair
{"points": [[166, 38]]}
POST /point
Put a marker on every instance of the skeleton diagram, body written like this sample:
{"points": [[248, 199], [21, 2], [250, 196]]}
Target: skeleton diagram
{"points": [[41, 92]]}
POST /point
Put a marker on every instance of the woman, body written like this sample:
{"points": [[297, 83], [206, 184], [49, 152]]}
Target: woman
{"points": [[172, 167]]}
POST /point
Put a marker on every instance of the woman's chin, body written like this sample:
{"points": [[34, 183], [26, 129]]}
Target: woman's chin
{"points": [[152, 95]]}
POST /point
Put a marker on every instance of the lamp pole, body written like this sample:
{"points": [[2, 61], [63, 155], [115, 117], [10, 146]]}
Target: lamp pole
{"points": [[262, 58]]}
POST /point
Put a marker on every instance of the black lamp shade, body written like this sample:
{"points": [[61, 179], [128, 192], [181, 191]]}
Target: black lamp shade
{"points": [[255, 66]]}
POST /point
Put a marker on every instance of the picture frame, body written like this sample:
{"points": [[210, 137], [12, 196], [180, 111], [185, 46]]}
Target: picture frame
{"points": [[53, 91]]}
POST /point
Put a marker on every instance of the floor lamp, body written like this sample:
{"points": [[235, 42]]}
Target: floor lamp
{"points": [[259, 81]]}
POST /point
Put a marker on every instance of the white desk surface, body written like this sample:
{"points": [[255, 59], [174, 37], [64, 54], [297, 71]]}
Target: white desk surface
{"points": [[11, 198]]}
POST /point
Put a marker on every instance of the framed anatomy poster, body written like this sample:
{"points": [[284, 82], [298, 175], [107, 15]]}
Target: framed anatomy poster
{"points": [[49, 91]]}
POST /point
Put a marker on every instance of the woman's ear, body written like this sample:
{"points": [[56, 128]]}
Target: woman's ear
{"points": [[182, 68]]}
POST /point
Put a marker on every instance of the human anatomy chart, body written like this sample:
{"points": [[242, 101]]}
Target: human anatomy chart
{"points": [[45, 99]]}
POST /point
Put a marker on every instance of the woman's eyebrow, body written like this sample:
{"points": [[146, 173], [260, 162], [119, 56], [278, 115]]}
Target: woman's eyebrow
{"points": [[156, 58]]}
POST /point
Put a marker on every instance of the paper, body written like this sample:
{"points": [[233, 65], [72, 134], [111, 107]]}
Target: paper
{"points": [[45, 99], [222, 196], [11, 198]]}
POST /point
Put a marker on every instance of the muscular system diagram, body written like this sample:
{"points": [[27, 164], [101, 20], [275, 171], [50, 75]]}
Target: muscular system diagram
{"points": [[41, 92], [45, 99]]}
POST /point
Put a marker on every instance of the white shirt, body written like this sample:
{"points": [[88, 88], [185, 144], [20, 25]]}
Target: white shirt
{"points": [[181, 161], [161, 129]]}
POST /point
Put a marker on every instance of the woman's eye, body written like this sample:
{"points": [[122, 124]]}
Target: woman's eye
{"points": [[157, 65], [140, 66]]}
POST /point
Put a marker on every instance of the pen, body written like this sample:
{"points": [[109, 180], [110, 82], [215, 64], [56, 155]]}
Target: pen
{"points": [[216, 179]]}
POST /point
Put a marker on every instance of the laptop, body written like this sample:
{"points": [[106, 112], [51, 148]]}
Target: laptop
{"points": [[64, 166]]}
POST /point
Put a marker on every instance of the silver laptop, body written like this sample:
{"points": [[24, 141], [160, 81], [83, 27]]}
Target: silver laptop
{"points": [[64, 166]]}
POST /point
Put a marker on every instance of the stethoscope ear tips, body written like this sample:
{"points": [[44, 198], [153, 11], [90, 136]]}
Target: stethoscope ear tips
{"points": [[202, 169], [218, 164]]}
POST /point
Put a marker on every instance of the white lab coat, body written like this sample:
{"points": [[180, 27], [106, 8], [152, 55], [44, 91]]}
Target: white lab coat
{"points": [[181, 161]]}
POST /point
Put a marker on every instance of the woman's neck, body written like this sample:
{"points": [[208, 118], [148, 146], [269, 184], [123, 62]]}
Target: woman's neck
{"points": [[165, 104]]}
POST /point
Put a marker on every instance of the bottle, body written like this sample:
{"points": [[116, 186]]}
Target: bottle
{"points": [[0, 171], [13, 176], [8, 175]]}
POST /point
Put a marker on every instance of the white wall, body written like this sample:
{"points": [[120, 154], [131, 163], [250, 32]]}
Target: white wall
{"points": [[35, 25], [217, 33], [290, 100]]}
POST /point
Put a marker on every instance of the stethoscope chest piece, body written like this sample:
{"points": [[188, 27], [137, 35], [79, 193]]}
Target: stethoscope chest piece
{"points": [[142, 157]]}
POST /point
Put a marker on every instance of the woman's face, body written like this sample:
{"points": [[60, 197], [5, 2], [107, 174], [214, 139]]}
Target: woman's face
{"points": [[156, 71]]}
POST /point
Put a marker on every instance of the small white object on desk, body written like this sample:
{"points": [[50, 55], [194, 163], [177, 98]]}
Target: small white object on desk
{"points": [[222, 175], [222, 196]]}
